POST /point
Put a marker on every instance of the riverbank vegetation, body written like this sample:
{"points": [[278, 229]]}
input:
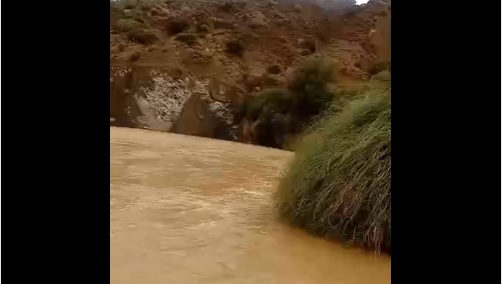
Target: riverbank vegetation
{"points": [[338, 184], [279, 114]]}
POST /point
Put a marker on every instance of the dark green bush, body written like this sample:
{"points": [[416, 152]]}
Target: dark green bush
{"points": [[310, 85], [284, 112], [268, 101]]}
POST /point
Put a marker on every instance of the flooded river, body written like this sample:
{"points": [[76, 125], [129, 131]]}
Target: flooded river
{"points": [[190, 210]]}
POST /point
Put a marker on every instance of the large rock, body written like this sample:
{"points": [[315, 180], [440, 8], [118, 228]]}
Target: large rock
{"points": [[202, 117]]}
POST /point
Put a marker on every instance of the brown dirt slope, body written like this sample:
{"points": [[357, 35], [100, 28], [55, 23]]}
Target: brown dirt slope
{"points": [[239, 46]]}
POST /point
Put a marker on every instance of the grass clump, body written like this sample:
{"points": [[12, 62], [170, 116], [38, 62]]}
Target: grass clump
{"points": [[338, 184]]}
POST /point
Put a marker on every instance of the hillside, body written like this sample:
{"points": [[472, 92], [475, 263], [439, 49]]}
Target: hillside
{"points": [[189, 66]]}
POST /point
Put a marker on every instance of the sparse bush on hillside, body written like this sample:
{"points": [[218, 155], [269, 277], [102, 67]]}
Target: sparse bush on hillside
{"points": [[129, 10], [187, 38], [177, 26], [338, 184], [268, 102], [313, 70], [144, 36], [270, 110], [235, 47], [310, 86]]}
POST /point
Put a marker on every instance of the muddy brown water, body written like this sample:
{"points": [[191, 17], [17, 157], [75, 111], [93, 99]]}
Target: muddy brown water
{"points": [[193, 210]]}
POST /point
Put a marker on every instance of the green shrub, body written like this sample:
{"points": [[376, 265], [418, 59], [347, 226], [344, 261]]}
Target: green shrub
{"points": [[267, 102], [313, 72], [310, 86], [338, 184]]}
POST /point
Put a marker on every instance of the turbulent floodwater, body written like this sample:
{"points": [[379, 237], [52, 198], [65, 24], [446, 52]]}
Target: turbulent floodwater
{"points": [[192, 210]]}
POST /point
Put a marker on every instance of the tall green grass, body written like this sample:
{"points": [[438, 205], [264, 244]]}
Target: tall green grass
{"points": [[338, 184]]}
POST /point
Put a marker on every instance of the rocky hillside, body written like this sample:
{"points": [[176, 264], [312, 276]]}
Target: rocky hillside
{"points": [[188, 66]]}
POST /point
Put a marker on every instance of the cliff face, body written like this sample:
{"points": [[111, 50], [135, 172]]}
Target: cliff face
{"points": [[233, 48]]}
